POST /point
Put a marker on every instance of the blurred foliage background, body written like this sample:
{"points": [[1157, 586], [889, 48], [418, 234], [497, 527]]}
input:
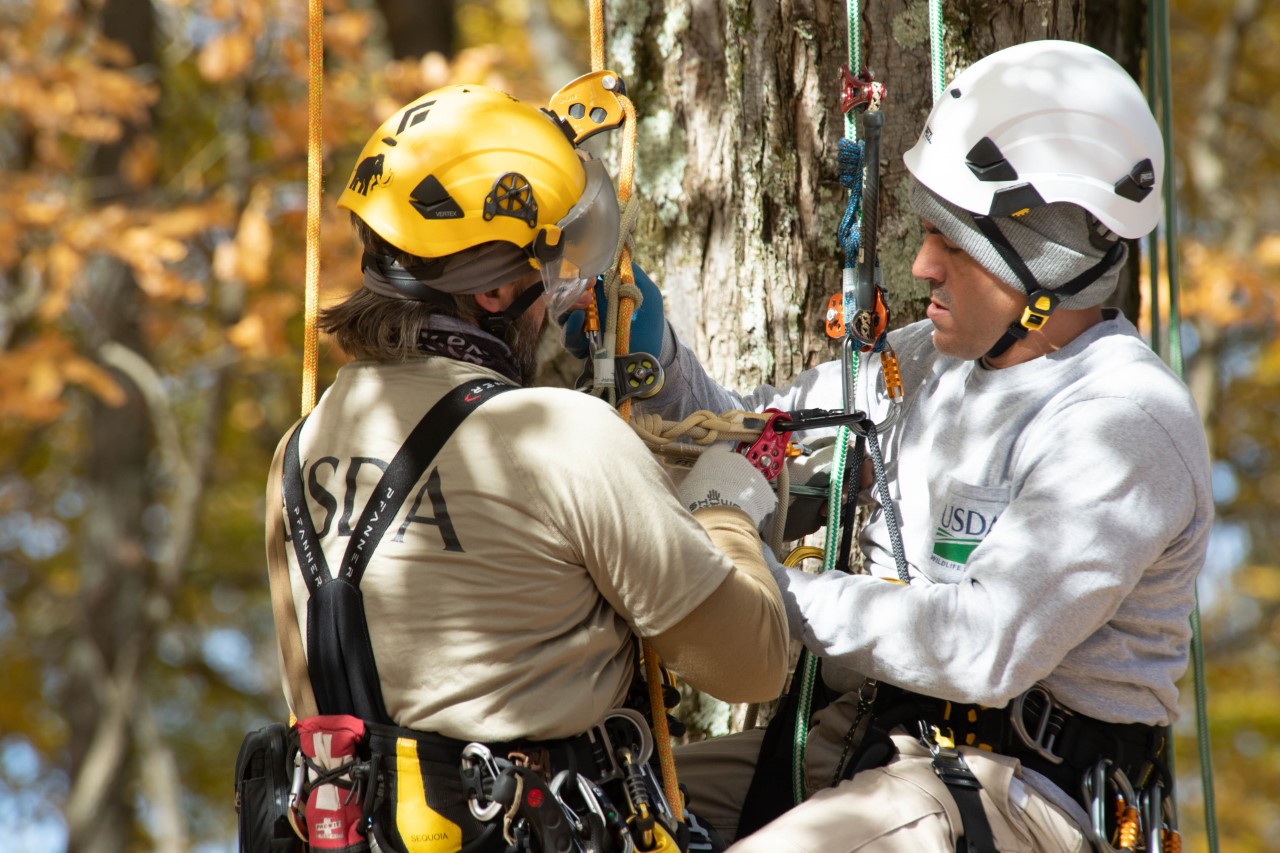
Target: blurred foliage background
{"points": [[151, 270]]}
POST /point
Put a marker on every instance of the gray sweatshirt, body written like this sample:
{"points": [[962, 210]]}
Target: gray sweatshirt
{"points": [[1054, 514]]}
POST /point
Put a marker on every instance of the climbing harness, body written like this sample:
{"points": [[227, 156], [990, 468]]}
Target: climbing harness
{"points": [[333, 753], [357, 773]]}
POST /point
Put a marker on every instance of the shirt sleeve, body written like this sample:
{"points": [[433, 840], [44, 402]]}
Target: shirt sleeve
{"points": [[687, 388], [1060, 564], [734, 645], [617, 511]]}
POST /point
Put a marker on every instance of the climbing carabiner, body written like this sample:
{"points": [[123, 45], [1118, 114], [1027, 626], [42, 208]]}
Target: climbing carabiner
{"points": [[1128, 827]]}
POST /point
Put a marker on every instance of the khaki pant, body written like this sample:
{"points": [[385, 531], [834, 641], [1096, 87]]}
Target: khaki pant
{"points": [[902, 807]]}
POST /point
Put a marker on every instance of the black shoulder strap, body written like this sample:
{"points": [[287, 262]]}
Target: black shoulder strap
{"points": [[340, 660]]}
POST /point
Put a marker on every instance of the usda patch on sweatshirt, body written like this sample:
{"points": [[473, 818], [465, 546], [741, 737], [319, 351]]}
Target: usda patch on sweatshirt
{"points": [[968, 513]]}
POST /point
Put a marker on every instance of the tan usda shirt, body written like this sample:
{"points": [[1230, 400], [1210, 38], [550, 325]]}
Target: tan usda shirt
{"points": [[502, 599]]}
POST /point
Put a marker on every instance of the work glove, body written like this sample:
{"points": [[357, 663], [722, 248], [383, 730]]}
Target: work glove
{"points": [[647, 324], [723, 477]]}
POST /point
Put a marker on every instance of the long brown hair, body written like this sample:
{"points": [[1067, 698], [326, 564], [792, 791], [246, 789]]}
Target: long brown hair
{"points": [[368, 325]]}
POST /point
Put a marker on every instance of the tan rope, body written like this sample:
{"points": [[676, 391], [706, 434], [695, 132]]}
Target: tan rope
{"points": [[315, 88], [701, 427]]}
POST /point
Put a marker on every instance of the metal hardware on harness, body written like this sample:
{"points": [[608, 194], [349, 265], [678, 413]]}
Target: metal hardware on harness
{"points": [[637, 374], [769, 451], [1159, 819], [805, 419], [847, 356], [1049, 719], [606, 739], [530, 806], [597, 803], [1096, 780], [476, 760], [642, 818], [948, 763], [295, 795]]}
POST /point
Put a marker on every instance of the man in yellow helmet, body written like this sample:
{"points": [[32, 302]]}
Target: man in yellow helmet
{"points": [[469, 562]]}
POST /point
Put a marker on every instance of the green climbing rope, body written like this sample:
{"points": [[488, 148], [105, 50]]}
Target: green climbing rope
{"points": [[936, 41], [1160, 91], [808, 671]]}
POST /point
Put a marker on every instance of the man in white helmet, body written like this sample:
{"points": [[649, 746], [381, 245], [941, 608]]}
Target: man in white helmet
{"points": [[1051, 478], [472, 562]]}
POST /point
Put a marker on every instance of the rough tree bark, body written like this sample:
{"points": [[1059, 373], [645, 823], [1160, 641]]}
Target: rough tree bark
{"points": [[105, 653], [738, 129], [739, 122]]}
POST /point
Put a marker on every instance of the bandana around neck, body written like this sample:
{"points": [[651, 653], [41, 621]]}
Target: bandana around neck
{"points": [[452, 338]]}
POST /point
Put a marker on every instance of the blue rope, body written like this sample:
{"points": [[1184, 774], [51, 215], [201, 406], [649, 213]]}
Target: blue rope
{"points": [[849, 232]]}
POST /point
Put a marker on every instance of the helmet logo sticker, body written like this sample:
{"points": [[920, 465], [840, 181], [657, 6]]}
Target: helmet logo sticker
{"points": [[368, 174], [512, 196], [433, 201], [414, 116], [1016, 200]]}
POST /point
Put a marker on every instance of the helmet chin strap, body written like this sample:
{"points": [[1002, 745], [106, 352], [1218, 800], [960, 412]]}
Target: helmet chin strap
{"points": [[1041, 301], [499, 322]]}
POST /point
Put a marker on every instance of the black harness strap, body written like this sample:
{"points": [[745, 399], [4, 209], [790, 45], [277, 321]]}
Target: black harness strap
{"points": [[340, 660], [1035, 291], [965, 789]]}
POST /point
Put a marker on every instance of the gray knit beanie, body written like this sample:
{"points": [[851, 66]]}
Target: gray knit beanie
{"points": [[1056, 241]]}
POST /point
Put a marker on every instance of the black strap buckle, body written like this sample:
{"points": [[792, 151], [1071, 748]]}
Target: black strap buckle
{"points": [[948, 763]]}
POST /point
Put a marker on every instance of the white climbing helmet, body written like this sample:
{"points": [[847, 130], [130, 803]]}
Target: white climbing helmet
{"points": [[1042, 122]]}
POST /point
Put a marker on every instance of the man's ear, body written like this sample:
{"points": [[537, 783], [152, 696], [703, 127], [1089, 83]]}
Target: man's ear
{"points": [[495, 300]]}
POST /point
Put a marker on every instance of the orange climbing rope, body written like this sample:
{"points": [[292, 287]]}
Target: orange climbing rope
{"points": [[622, 345], [315, 87]]}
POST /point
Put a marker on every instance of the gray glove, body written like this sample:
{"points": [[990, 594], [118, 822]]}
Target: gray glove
{"points": [[722, 477]]}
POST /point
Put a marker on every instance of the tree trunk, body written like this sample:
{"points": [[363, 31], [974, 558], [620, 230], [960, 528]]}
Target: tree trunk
{"points": [[110, 641], [739, 124], [415, 28], [738, 106]]}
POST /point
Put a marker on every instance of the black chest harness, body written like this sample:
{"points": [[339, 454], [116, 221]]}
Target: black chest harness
{"points": [[340, 660]]}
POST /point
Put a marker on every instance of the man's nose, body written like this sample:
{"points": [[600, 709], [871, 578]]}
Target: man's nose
{"points": [[928, 263]]}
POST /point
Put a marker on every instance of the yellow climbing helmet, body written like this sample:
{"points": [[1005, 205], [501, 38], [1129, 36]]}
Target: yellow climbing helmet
{"points": [[467, 165]]}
